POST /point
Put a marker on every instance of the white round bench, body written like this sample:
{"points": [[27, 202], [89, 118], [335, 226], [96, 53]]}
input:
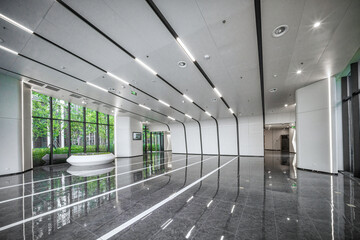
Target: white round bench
{"points": [[90, 159]]}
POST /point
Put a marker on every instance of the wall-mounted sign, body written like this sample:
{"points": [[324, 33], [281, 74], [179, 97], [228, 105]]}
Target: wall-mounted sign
{"points": [[136, 135]]}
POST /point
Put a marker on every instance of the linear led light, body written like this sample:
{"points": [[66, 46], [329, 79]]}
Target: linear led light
{"points": [[96, 86], [15, 23], [145, 66], [117, 78], [330, 126], [171, 118], [187, 97], [208, 113], [185, 48], [231, 110], [9, 50], [188, 115], [144, 107], [232, 209], [190, 199], [166, 223], [208, 205], [189, 233], [166, 104], [217, 92]]}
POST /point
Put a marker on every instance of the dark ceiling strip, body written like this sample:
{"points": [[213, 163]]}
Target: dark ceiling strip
{"points": [[64, 89], [260, 53], [175, 35], [94, 27], [77, 56], [115, 43], [31, 59]]}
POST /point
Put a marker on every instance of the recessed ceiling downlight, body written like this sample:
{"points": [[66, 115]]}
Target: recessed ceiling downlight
{"points": [[280, 30], [182, 64], [272, 90]]}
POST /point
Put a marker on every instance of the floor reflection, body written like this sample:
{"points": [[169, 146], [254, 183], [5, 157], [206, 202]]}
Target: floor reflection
{"points": [[249, 198]]}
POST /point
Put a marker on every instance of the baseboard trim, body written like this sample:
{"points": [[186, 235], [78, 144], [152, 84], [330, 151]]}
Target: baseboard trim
{"points": [[16, 173], [311, 170]]}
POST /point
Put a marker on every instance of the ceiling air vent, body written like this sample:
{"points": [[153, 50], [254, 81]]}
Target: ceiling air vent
{"points": [[75, 96], [52, 88], [36, 83]]}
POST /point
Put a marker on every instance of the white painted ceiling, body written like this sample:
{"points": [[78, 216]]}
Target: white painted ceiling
{"points": [[233, 65]]}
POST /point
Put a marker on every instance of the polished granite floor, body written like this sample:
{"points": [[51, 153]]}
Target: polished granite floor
{"points": [[171, 196]]}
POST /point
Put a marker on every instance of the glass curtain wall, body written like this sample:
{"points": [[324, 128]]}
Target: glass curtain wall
{"points": [[61, 128]]}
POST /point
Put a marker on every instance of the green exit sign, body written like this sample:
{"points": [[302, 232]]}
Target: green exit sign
{"points": [[133, 93]]}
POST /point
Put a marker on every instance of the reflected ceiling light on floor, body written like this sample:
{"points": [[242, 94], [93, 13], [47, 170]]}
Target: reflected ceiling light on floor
{"points": [[231, 110], [208, 113], [233, 208], [96, 86], [185, 48], [208, 205], [171, 118], [222, 237], [285, 105], [317, 24], [117, 78], [280, 30], [189, 233], [8, 50], [15, 23], [188, 98], [190, 199], [188, 115], [166, 104], [144, 107], [217, 92], [145, 66], [298, 71]]}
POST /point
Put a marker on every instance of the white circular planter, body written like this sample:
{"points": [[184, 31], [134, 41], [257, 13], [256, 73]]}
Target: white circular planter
{"points": [[90, 159]]}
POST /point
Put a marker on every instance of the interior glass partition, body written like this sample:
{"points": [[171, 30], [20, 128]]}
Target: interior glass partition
{"points": [[61, 129]]}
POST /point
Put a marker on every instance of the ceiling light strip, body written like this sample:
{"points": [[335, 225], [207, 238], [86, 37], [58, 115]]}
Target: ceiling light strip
{"points": [[145, 66], [217, 92], [177, 38], [15, 23], [188, 98], [188, 115], [166, 104], [96, 86], [171, 118], [117, 78], [9, 50], [185, 49], [112, 41], [85, 96]]}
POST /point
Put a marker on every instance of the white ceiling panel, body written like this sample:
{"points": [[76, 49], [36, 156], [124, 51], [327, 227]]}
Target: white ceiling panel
{"points": [[45, 52], [27, 13], [70, 32]]}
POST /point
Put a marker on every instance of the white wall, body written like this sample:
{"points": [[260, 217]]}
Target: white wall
{"points": [[251, 136], [273, 118], [11, 141], [313, 127], [125, 146]]}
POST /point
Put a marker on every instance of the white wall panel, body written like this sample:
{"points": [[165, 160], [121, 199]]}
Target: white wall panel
{"points": [[313, 128], [125, 145]]}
